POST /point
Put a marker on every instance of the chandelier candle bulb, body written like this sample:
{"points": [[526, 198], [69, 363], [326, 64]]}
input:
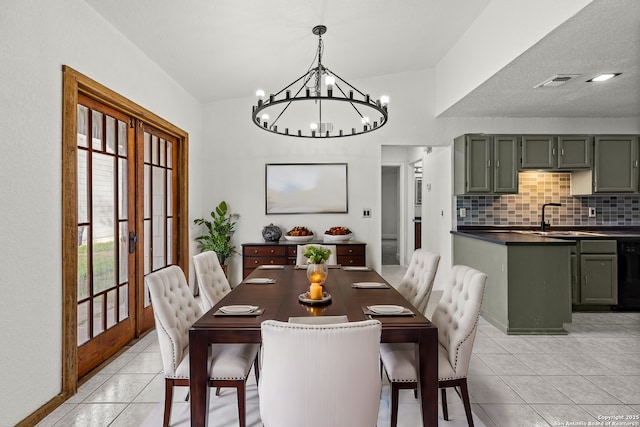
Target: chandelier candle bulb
{"points": [[384, 100], [260, 94]]}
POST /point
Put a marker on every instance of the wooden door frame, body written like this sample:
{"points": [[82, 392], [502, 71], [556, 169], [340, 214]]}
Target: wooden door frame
{"points": [[74, 83]]}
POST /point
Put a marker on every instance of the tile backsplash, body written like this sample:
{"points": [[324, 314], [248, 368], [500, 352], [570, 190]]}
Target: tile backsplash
{"points": [[537, 188]]}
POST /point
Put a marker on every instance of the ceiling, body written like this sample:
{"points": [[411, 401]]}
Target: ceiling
{"points": [[222, 49]]}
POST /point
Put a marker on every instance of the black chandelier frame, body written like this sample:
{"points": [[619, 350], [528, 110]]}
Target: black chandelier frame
{"points": [[343, 92]]}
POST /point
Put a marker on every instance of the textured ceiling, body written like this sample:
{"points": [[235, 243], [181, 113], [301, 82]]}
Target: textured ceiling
{"points": [[221, 49], [602, 37]]}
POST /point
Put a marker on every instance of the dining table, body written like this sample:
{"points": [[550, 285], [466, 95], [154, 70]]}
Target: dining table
{"points": [[277, 292]]}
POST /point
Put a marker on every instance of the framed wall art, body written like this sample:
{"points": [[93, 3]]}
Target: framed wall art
{"points": [[306, 188]]}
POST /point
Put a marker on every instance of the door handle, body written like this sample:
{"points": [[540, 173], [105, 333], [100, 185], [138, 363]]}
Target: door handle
{"points": [[132, 241]]}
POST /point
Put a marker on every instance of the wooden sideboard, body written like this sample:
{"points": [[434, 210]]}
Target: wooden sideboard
{"points": [[285, 252]]}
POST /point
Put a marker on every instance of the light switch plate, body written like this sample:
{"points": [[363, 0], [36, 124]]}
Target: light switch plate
{"points": [[463, 212], [592, 212]]}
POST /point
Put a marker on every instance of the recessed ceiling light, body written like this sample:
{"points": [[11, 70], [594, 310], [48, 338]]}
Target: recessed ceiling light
{"points": [[603, 77]]}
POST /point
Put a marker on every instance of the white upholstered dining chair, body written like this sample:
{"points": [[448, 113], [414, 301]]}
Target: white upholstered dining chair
{"points": [[417, 282], [320, 375], [175, 310], [456, 317], [212, 282], [302, 260]]}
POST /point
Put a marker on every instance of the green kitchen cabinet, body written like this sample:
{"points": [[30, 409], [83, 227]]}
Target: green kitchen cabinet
{"points": [[527, 289], [615, 164], [598, 272], [594, 274], [562, 152], [485, 164], [574, 152], [538, 152]]}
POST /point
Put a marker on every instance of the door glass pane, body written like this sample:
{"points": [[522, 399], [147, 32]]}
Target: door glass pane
{"points": [[111, 308], [83, 186], [83, 322], [158, 218], [96, 130], [98, 326], [147, 148], [83, 263], [147, 246], [123, 306], [147, 191], [122, 189], [103, 223], [122, 138], [169, 192], [83, 124], [162, 151], [169, 247], [124, 253], [111, 134], [169, 154], [154, 150]]}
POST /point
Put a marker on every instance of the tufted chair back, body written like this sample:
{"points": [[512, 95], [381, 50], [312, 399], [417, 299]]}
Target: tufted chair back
{"points": [[175, 310], [302, 260], [456, 316], [417, 282], [320, 375], [212, 282]]}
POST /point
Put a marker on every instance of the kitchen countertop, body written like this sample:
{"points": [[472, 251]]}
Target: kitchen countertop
{"points": [[554, 236]]}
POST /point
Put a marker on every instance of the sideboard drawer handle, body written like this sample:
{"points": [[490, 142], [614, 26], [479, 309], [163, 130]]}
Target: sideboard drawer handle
{"points": [[271, 261], [255, 251], [255, 262], [350, 250], [271, 250], [350, 261]]}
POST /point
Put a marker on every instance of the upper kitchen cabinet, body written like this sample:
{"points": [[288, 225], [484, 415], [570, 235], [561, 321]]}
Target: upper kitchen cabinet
{"points": [[485, 164], [538, 152], [564, 152], [615, 164]]}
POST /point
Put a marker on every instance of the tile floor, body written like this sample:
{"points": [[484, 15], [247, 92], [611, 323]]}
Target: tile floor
{"points": [[577, 379]]}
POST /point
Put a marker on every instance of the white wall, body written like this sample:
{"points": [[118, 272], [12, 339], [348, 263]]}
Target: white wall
{"points": [[36, 39]]}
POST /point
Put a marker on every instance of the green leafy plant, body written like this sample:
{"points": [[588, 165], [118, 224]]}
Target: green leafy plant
{"points": [[219, 232], [317, 254]]}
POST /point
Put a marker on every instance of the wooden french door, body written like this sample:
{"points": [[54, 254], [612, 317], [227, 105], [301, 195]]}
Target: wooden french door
{"points": [[158, 221], [125, 226], [105, 206], [124, 213]]}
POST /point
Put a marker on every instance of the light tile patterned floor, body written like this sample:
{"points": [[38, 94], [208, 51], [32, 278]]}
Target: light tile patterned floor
{"points": [[593, 372]]}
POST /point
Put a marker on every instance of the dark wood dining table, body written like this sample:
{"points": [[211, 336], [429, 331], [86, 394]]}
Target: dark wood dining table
{"points": [[280, 302]]}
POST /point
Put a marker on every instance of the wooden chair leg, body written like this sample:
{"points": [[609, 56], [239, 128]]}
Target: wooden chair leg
{"points": [[168, 399], [465, 401], [445, 410], [394, 404], [242, 415]]}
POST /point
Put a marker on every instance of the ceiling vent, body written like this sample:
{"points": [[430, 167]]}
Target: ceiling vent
{"points": [[557, 80]]}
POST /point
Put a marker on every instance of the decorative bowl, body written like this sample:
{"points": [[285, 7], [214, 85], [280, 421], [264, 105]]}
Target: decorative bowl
{"points": [[299, 238], [337, 237]]}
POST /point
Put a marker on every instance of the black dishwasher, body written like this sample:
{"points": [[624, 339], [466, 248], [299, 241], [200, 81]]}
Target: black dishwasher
{"points": [[628, 275]]}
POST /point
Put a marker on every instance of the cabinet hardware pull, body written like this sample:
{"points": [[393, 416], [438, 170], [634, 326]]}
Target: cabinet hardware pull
{"points": [[562, 152], [271, 250], [271, 261], [553, 151], [255, 251], [350, 250], [497, 163], [255, 262], [488, 163], [635, 164]]}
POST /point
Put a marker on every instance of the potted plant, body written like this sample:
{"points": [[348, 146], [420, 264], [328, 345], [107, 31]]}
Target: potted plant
{"points": [[219, 232], [317, 268]]}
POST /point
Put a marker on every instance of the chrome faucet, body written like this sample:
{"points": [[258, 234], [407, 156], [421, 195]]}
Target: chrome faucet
{"points": [[544, 225]]}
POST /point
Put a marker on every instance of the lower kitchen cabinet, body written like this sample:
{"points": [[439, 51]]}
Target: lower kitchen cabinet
{"points": [[527, 289], [285, 253], [595, 276]]}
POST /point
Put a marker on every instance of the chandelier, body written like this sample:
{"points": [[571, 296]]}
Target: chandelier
{"points": [[319, 104]]}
